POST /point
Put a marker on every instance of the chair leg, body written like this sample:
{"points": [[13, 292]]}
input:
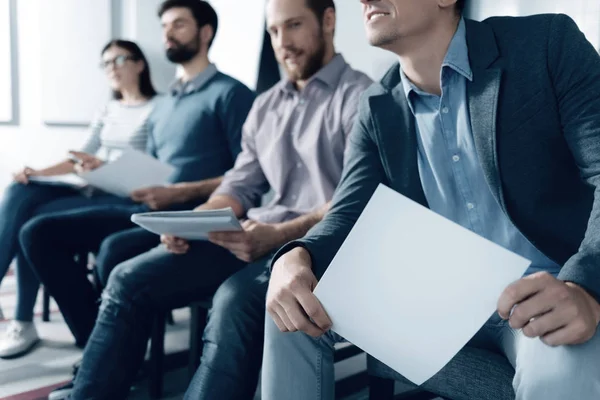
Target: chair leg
{"points": [[381, 388], [45, 305], [197, 323], [157, 354]]}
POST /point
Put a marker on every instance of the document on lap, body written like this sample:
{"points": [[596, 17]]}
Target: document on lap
{"points": [[189, 225], [69, 180], [133, 170], [411, 288]]}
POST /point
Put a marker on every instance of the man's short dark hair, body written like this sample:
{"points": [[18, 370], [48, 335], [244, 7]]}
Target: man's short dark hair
{"points": [[203, 13], [319, 7], [460, 6]]}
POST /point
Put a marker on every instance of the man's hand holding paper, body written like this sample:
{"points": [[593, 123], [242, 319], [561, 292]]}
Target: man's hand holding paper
{"points": [[290, 299], [255, 241], [557, 312]]}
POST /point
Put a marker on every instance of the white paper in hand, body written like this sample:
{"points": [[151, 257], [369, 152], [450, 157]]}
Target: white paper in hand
{"points": [[411, 288], [189, 225], [131, 171]]}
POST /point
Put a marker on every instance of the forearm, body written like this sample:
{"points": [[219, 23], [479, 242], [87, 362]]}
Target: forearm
{"points": [[223, 201], [62, 168], [200, 190], [298, 227]]}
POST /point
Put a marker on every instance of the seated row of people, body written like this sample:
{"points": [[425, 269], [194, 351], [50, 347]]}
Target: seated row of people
{"points": [[484, 124]]}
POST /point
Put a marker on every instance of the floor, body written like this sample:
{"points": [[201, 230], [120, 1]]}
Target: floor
{"points": [[49, 365]]}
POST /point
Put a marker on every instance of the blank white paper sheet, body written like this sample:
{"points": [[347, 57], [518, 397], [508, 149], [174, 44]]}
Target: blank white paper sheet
{"points": [[411, 288], [133, 170]]}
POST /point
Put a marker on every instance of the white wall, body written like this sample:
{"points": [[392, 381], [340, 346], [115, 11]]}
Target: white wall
{"points": [[585, 12], [72, 82], [351, 41], [139, 22], [32, 142], [6, 110], [238, 44], [236, 51]]}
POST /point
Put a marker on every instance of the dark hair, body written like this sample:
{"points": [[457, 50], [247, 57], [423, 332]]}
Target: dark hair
{"points": [[460, 6], [146, 87], [203, 13], [319, 7]]}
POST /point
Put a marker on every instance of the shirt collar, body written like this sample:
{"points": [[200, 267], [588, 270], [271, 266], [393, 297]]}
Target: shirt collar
{"points": [[178, 87], [457, 59], [330, 75]]}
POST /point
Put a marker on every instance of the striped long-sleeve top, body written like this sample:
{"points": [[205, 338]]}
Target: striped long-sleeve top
{"points": [[118, 127]]}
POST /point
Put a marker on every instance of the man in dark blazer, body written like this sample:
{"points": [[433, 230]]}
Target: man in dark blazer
{"points": [[496, 126]]}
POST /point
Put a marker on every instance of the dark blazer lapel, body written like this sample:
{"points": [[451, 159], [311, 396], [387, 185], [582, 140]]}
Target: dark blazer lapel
{"points": [[396, 136], [483, 93]]}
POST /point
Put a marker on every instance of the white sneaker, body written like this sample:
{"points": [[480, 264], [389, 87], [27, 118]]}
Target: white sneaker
{"points": [[62, 392], [19, 338]]}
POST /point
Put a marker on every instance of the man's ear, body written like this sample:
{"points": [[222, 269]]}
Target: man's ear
{"points": [[206, 34], [329, 21]]}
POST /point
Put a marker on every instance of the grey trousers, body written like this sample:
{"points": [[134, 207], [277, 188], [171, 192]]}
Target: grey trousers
{"points": [[298, 367]]}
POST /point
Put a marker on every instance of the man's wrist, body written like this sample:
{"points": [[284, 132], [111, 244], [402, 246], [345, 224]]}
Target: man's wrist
{"points": [[298, 255], [180, 193], [282, 233], [594, 305]]}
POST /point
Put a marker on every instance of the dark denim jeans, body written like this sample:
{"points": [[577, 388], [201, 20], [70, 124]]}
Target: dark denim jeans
{"points": [[50, 243], [233, 337], [22, 203], [137, 289]]}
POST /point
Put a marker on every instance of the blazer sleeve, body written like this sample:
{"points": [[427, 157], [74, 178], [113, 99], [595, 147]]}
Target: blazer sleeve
{"points": [[363, 172], [574, 67]]}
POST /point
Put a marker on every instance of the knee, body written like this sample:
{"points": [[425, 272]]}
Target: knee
{"points": [[121, 286], [229, 298], [237, 306], [15, 192], [557, 374], [227, 306], [15, 199], [35, 230]]}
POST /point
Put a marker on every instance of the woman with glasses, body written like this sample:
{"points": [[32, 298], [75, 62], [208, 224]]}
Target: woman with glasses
{"points": [[121, 124]]}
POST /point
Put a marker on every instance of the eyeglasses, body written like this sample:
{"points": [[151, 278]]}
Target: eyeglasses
{"points": [[118, 61]]}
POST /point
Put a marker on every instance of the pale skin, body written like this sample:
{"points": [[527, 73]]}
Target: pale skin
{"points": [[419, 33], [291, 27]]}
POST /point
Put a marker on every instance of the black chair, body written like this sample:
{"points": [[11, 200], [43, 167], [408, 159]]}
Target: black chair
{"points": [[198, 311], [45, 305], [83, 261], [472, 374], [383, 389]]}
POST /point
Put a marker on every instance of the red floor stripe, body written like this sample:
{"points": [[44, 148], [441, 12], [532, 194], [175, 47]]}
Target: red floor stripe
{"points": [[37, 394]]}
